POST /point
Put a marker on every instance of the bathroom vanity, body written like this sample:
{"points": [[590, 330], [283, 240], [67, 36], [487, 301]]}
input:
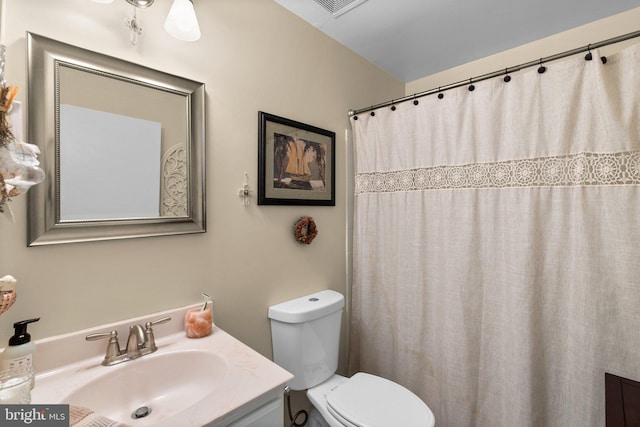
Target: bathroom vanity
{"points": [[212, 381]]}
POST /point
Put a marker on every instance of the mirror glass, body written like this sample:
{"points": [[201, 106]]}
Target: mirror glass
{"points": [[122, 147]]}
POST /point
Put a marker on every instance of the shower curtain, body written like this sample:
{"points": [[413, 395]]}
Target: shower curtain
{"points": [[497, 241]]}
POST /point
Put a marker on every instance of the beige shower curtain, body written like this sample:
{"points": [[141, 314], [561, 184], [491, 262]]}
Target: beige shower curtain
{"points": [[497, 244]]}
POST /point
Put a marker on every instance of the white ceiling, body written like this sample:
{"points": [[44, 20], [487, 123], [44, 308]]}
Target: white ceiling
{"points": [[411, 39]]}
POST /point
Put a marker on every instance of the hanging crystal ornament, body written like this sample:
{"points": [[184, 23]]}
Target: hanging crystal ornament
{"points": [[135, 28], [245, 192]]}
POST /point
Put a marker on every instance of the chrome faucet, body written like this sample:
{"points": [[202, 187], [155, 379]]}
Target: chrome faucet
{"points": [[141, 341]]}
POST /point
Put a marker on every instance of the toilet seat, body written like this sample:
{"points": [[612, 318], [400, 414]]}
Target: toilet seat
{"points": [[369, 401]]}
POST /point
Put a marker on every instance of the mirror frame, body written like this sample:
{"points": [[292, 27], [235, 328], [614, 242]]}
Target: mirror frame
{"points": [[44, 226]]}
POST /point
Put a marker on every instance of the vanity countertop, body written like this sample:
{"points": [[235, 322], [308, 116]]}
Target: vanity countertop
{"points": [[65, 363]]}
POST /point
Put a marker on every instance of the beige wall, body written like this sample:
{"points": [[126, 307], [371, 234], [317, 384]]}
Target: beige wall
{"points": [[581, 36], [253, 55]]}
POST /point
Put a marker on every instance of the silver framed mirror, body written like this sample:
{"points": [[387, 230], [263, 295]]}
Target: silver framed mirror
{"points": [[122, 147]]}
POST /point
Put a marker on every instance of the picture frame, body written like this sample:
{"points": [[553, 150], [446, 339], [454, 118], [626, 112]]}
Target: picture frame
{"points": [[296, 163]]}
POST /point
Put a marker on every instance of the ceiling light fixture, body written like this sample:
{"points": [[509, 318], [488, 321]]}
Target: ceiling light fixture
{"points": [[140, 3], [181, 22]]}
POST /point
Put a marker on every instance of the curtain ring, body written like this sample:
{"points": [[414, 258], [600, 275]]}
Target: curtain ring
{"points": [[588, 56], [541, 68], [415, 101], [440, 94], [471, 86], [393, 105], [507, 77]]}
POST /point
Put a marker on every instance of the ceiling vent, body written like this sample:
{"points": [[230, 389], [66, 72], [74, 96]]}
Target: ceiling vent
{"points": [[339, 7]]}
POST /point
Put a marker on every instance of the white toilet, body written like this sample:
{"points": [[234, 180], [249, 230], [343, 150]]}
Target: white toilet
{"points": [[305, 333]]}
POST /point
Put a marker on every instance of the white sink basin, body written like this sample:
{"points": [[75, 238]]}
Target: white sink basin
{"points": [[208, 381], [159, 385]]}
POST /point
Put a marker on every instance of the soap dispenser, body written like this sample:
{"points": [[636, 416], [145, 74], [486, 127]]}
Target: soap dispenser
{"points": [[18, 355]]}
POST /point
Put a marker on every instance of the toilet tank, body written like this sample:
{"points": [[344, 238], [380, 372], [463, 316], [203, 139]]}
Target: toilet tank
{"points": [[305, 333]]}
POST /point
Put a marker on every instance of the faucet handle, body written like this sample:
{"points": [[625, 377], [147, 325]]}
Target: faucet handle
{"points": [[150, 341], [113, 346], [159, 321]]}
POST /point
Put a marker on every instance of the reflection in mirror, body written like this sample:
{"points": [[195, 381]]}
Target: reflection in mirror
{"points": [[90, 143], [124, 153]]}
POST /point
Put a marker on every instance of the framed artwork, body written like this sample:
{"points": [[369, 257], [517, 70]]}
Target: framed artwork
{"points": [[296, 163]]}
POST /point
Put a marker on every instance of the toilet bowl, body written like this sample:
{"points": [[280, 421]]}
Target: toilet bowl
{"points": [[305, 334]]}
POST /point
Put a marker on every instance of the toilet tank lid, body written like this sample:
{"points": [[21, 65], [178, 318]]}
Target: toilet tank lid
{"points": [[307, 308]]}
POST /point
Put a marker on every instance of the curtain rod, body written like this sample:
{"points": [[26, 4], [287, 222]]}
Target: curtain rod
{"points": [[505, 71]]}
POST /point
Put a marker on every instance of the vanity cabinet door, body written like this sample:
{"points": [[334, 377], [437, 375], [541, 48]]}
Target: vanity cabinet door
{"points": [[622, 401], [269, 415]]}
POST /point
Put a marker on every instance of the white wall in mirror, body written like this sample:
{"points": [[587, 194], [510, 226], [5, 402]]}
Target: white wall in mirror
{"points": [[108, 165]]}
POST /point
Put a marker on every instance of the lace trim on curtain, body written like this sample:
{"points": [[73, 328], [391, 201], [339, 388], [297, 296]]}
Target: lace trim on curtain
{"points": [[583, 169]]}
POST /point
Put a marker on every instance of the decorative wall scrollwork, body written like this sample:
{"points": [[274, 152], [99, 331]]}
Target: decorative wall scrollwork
{"points": [[174, 182]]}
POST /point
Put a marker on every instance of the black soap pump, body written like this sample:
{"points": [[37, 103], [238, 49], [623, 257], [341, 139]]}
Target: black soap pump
{"points": [[18, 355]]}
